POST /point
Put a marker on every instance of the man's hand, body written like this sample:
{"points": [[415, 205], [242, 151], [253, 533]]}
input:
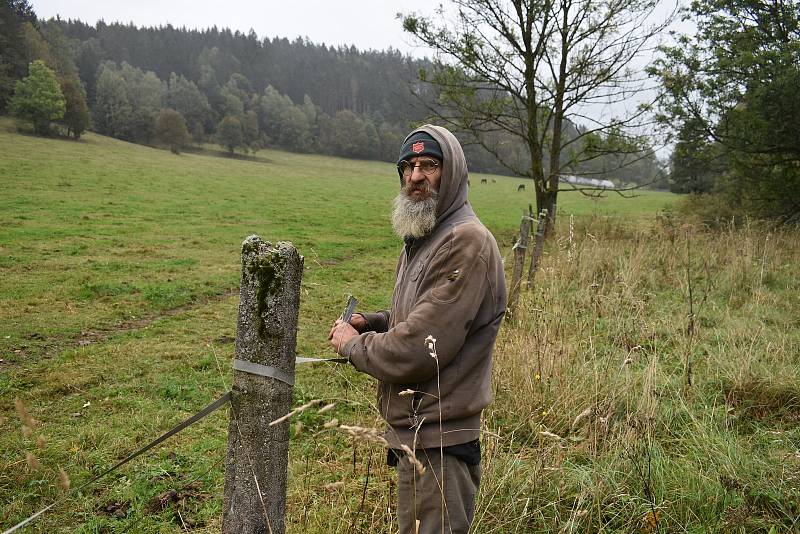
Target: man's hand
{"points": [[358, 322], [340, 334]]}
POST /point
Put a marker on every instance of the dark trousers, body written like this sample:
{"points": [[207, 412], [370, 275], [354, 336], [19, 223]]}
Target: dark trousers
{"points": [[442, 499]]}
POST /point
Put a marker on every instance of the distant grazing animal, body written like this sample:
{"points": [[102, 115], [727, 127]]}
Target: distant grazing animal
{"points": [[521, 187], [494, 181], [468, 184], [483, 181]]}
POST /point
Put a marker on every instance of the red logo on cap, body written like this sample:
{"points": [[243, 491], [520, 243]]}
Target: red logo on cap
{"points": [[417, 147]]}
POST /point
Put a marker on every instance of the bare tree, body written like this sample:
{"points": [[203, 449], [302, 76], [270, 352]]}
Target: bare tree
{"points": [[524, 71]]}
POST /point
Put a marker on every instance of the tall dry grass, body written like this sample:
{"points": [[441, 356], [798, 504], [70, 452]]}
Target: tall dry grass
{"points": [[622, 404]]}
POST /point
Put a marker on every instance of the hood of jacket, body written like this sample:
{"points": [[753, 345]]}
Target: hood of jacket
{"points": [[453, 187]]}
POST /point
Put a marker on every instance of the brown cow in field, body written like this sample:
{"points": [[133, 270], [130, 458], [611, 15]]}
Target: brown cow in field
{"points": [[483, 181]]}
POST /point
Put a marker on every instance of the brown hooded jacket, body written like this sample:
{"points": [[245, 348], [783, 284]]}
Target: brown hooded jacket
{"points": [[450, 285]]}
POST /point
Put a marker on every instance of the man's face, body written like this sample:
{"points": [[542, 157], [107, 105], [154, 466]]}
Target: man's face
{"points": [[414, 213], [423, 178]]}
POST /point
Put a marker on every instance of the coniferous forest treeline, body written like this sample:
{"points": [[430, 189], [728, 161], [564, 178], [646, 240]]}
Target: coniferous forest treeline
{"points": [[236, 89]]}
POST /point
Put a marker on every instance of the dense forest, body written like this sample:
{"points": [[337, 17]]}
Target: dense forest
{"points": [[240, 91], [729, 100]]}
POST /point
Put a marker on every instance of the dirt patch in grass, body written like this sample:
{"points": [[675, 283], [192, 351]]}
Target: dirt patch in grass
{"points": [[180, 502], [178, 497], [116, 509]]}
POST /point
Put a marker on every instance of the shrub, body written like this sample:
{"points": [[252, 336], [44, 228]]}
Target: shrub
{"points": [[171, 130]]}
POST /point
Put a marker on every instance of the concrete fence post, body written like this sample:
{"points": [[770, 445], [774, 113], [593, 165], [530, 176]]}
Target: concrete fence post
{"points": [[258, 454]]}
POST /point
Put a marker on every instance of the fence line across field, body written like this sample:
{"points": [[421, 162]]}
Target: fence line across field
{"points": [[261, 395], [210, 408], [520, 249]]}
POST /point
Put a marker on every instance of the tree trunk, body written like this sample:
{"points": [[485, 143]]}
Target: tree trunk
{"points": [[551, 205], [547, 200]]}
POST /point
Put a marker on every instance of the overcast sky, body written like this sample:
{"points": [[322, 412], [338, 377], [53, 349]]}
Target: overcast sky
{"points": [[363, 23]]}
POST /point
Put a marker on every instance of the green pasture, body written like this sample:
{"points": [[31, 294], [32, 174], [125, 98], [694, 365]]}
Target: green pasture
{"points": [[120, 267], [99, 232]]}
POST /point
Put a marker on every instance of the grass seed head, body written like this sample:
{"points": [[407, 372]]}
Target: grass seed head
{"points": [[548, 434], [41, 442], [63, 479], [430, 342], [581, 416], [309, 404], [413, 459], [333, 423], [24, 416], [32, 461], [327, 408], [296, 411], [365, 434]]}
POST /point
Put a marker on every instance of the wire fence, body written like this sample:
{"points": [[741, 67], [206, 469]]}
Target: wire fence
{"points": [[218, 403], [210, 408], [224, 399]]}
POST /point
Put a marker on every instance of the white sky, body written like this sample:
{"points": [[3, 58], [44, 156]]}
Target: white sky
{"points": [[363, 23]]}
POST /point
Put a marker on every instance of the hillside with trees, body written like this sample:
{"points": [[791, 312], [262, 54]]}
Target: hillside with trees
{"points": [[294, 95]]}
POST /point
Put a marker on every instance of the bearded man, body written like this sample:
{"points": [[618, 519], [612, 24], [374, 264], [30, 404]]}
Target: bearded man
{"points": [[432, 351]]}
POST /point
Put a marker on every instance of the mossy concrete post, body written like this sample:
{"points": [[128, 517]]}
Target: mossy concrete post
{"points": [[258, 454]]}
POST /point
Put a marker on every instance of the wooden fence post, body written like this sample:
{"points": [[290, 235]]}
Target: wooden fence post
{"points": [[538, 245], [266, 334], [519, 262]]}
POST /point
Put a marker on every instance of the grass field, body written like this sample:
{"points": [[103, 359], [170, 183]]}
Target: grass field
{"points": [[120, 265]]}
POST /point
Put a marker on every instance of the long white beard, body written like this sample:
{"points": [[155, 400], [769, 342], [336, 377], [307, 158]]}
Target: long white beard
{"points": [[413, 218]]}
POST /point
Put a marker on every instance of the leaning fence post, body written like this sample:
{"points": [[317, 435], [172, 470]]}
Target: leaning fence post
{"points": [[538, 245], [266, 333], [519, 262]]}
